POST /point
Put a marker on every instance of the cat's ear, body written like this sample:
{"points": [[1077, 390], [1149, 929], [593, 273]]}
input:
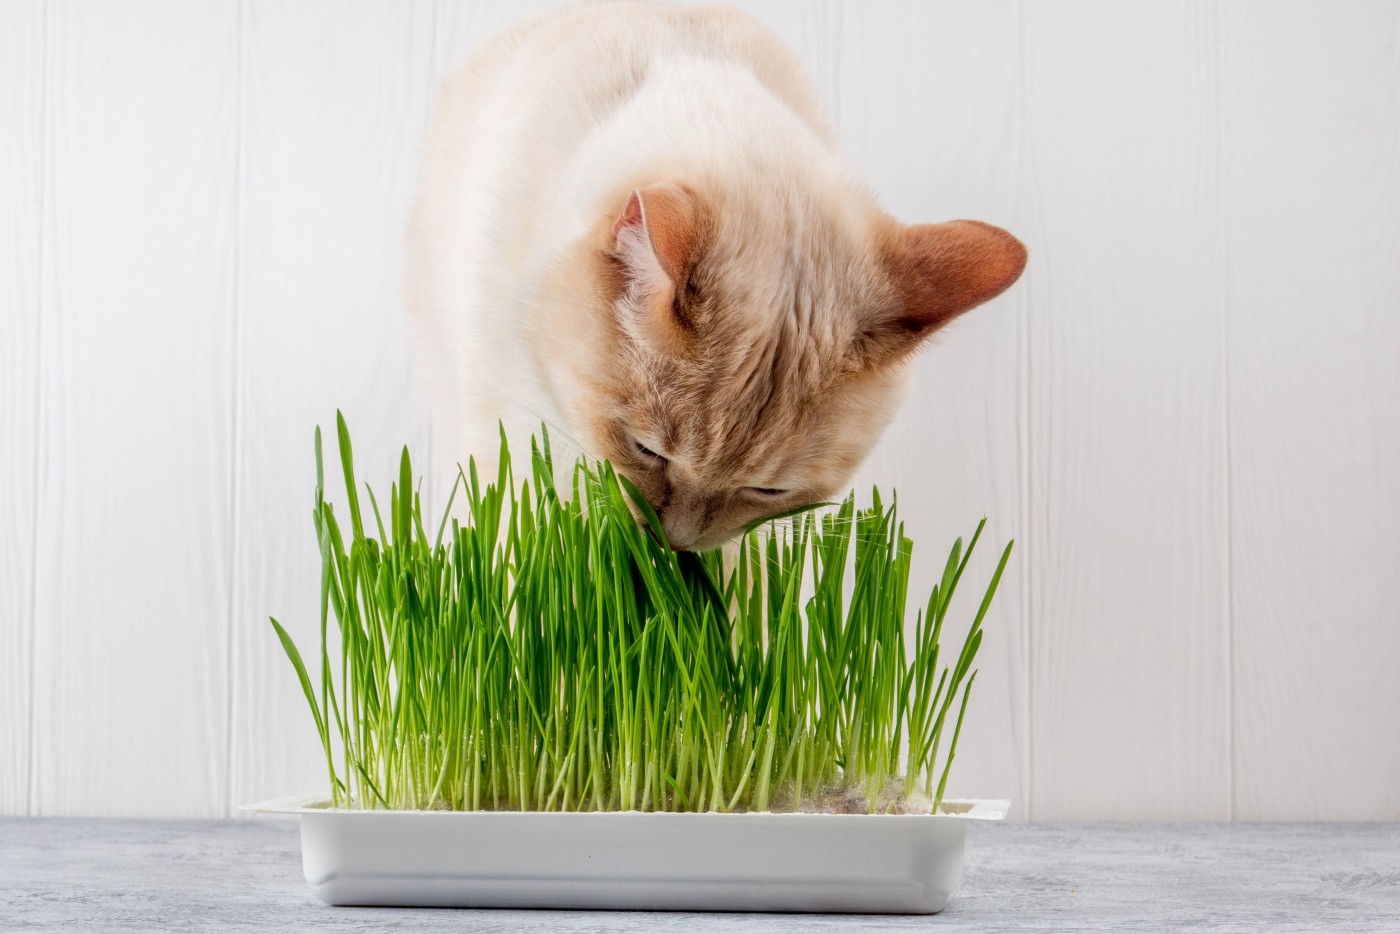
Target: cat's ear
{"points": [[656, 238], [936, 272]]}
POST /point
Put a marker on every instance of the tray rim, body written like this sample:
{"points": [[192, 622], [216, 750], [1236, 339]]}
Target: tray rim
{"points": [[979, 809]]}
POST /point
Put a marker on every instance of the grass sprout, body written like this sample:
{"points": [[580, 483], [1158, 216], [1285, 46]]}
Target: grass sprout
{"points": [[550, 652]]}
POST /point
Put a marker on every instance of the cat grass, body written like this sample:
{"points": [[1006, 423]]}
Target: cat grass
{"points": [[550, 652]]}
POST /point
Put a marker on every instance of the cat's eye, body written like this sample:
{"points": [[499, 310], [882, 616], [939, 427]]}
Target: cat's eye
{"points": [[647, 454], [762, 492]]}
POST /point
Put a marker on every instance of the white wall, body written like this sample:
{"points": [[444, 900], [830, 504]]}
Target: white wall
{"points": [[1187, 413]]}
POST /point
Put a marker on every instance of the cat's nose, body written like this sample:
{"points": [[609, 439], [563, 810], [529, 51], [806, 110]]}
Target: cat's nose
{"points": [[683, 528]]}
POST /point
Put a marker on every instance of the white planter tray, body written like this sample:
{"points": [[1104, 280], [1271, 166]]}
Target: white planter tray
{"points": [[867, 863]]}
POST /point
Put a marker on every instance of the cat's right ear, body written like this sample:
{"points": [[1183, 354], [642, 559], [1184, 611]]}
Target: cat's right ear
{"points": [[936, 272], [656, 238]]}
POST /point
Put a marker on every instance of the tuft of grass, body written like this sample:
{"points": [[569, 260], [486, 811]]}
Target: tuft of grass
{"points": [[553, 653]]}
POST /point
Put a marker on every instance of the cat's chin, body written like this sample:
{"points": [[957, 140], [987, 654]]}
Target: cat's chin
{"points": [[709, 541]]}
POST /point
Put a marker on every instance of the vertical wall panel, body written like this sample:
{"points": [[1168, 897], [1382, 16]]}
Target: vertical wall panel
{"points": [[132, 553], [334, 100], [1313, 119], [1129, 688], [929, 105], [22, 76]]}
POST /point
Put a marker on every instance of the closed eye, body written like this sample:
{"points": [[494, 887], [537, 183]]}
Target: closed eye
{"points": [[762, 492], [647, 454]]}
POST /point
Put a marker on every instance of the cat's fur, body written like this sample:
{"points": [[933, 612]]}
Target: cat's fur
{"points": [[634, 225]]}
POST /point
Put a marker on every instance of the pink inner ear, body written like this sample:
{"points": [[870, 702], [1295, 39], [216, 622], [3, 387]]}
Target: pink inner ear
{"points": [[667, 215], [656, 238], [631, 215]]}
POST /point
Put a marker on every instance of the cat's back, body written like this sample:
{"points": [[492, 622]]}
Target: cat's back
{"points": [[527, 98], [508, 124], [593, 55]]}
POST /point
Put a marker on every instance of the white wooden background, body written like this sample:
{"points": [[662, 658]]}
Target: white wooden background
{"points": [[1187, 413]]}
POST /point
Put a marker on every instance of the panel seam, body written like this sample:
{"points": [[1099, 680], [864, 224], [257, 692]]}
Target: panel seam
{"points": [[835, 27], [1231, 764], [31, 804], [1024, 437], [235, 408], [437, 66]]}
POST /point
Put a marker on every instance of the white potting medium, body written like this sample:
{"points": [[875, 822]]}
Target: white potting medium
{"points": [[905, 864]]}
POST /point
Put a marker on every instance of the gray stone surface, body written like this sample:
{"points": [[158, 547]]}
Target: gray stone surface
{"points": [[131, 875]]}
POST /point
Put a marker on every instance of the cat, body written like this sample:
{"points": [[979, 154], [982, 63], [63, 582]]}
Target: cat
{"points": [[634, 226]]}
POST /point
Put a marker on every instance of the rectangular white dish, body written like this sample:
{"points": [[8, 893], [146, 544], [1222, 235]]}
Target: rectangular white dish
{"points": [[867, 863]]}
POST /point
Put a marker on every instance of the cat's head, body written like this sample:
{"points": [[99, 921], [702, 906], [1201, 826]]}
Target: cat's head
{"points": [[754, 343]]}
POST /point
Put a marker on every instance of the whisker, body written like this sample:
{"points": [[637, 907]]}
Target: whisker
{"points": [[561, 440]]}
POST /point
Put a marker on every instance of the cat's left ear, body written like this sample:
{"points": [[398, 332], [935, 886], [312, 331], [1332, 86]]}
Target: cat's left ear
{"points": [[935, 273], [656, 238]]}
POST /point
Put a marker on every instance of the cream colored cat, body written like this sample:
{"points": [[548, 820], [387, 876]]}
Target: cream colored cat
{"points": [[634, 226]]}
